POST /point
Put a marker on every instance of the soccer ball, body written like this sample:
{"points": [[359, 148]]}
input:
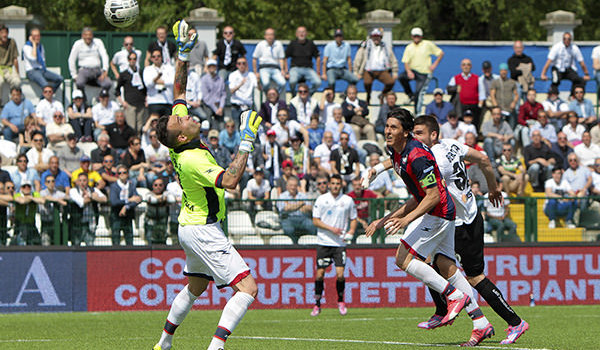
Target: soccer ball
{"points": [[121, 13]]}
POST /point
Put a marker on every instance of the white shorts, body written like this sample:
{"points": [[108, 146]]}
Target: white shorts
{"points": [[429, 235], [210, 255]]}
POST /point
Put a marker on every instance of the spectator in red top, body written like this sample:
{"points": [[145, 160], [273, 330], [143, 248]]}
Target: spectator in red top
{"points": [[362, 206], [528, 113], [466, 92]]}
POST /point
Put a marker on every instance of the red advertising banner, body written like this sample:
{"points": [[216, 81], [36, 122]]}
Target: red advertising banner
{"points": [[150, 280]]}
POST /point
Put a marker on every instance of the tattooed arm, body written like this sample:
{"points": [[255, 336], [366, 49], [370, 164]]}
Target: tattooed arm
{"points": [[180, 83], [236, 169]]}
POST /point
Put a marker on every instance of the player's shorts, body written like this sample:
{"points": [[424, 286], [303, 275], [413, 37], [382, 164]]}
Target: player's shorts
{"points": [[210, 255], [326, 255], [429, 235], [468, 243]]}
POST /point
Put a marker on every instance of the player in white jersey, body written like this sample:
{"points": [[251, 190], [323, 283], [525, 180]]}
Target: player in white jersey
{"points": [[334, 215]]}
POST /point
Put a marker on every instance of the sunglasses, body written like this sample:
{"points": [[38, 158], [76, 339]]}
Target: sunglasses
{"points": [[302, 91], [506, 150], [322, 183], [38, 140], [242, 63], [227, 32], [128, 44], [136, 143], [158, 185], [47, 91], [123, 173], [22, 161], [109, 161], [156, 56], [25, 185], [132, 59], [49, 181]]}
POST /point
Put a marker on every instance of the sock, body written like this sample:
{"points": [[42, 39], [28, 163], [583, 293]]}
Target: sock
{"points": [[441, 307], [318, 292], [479, 320], [432, 279], [340, 285], [488, 290], [233, 312], [179, 309]]}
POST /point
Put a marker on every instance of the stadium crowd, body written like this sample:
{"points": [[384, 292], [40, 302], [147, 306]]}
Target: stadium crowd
{"points": [[80, 162]]}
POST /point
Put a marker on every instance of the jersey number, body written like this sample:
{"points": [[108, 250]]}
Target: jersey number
{"points": [[461, 176]]}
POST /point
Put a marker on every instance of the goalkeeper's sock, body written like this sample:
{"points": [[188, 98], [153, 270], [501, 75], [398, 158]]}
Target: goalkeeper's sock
{"points": [[488, 290], [232, 315], [472, 308], [319, 286], [179, 309]]}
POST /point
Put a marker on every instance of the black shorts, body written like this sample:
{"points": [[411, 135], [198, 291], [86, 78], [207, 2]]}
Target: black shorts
{"points": [[327, 255], [468, 245]]}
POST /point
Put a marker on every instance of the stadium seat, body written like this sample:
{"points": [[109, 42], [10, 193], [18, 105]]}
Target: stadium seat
{"points": [[280, 240], [393, 239], [8, 151], [267, 223], [488, 238], [251, 240], [102, 241], [239, 223], [363, 239], [307, 240]]}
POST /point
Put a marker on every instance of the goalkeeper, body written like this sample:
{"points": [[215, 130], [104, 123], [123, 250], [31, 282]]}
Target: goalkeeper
{"points": [[209, 255]]}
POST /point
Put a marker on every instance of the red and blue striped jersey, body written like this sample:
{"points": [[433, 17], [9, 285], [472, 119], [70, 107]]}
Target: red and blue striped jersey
{"points": [[418, 169]]}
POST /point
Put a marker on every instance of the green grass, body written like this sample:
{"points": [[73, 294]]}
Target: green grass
{"points": [[552, 327]]}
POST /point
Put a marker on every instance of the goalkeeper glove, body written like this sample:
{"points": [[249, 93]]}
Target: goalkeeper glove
{"points": [[185, 43], [249, 123]]}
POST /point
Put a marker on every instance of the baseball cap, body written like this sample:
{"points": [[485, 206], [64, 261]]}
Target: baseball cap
{"points": [[503, 66], [258, 170], [26, 183], [376, 32], [294, 137], [213, 133], [205, 125], [287, 163], [338, 32], [468, 112], [416, 31], [271, 132], [486, 64], [103, 93], [77, 94], [211, 62], [84, 158], [437, 91]]}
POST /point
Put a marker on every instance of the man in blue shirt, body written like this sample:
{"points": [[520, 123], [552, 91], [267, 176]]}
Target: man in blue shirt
{"points": [[62, 181], [229, 137], [14, 113], [439, 107], [583, 107], [337, 62]]}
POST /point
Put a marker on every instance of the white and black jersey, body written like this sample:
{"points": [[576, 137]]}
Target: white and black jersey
{"points": [[336, 212]]}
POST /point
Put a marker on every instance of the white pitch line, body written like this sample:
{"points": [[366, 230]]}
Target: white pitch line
{"points": [[357, 341], [362, 319], [26, 340]]}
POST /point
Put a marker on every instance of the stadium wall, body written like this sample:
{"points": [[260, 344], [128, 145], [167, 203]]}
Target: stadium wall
{"points": [[136, 279]]}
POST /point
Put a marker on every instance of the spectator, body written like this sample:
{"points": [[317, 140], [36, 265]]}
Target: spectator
{"points": [[315, 132], [25, 174], [213, 95], [356, 113], [25, 142], [60, 179], [512, 172], [586, 150], [158, 79], [285, 128], [540, 160], [103, 113], [418, 66], [504, 92], [38, 156], [362, 199], [168, 175], [120, 61], [498, 218], [466, 126], [382, 185], [449, 129], [295, 215], [134, 161], [326, 106], [557, 206], [119, 132], [193, 93], [4, 175], [496, 132], [241, 85], [227, 52], [269, 108], [344, 160], [151, 123], [48, 107], [199, 54], [26, 206], [298, 154], [166, 47], [108, 171], [595, 133], [53, 197], [583, 107], [34, 57], [6, 197], [80, 117], [272, 153], [14, 112], [288, 171], [271, 57], [157, 213], [562, 149], [221, 154], [302, 106], [319, 185], [82, 217], [521, 67], [374, 60], [546, 129], [229, 137], [258, 188], [94, 179], [573, 129], [595, 190], [528, 113], [323, 152], [9, 60], [123, 200], [99, 153], [337, 61], [557, 109], [438, 107], [89, 54], [338, 125], [579, 178], [57, 132], [485, 82], [563, 57], [302, 51], [134, 99], [70, 155], [467, 90], [174, 189], [156, 151]]}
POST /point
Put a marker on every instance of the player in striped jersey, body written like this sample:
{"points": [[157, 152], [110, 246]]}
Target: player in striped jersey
{"points": [[209, 254]]}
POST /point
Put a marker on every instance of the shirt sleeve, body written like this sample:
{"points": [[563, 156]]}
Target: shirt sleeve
{"points": [[424, 171], [553, 53], [577, 53], [317, 209], [353, 213], [434, 49]]}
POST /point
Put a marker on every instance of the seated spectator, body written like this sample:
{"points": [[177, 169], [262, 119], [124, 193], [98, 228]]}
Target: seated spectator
{"points": [[272, 153], [318, 183], [99, 153], [26, 206], [362, 201], [438, 107], [337, 61], [384, 109], [285, 128], [25, 174], [38, 156], [323, 152], [287, 168], [9, 59], [89, 54], [94, 179], [34, 57], [564, 56], [466, 126], [119, 132], [213, 96], [302, 106], [166, 47], [298, 155], [229, 137], [302, 51], [573, 129], [82, 217], [579, 178], [512, 172], [595, 133], [270, 57], [326, 106], [14, 113], [540, 160], [557, 206], [108, 171], [496, 133], [258, 188], [6, 198], [339, 126], [151, 123], [120, 60], [562, 149], [467, 90], [449, 129], [498, 218], [193, 93], [382, 185], [295, 215], [48, 107], [134, 161], [70, 155], [156, 151], [545, 128], [485, 81], [586, 150], [157, 212], [158, 79], [221, 154], [315, 132], [31, 127], [269, 108], [54, 199], [528, 113], [80, 117], [344, 160], [169, 174], [103, 113], [556, 108], [227, 52], [57, 132], [583, 107], [595, 189], [134, 99], [123, 200], [521, 67], [241, 85], [356, 114], [504, 92]]}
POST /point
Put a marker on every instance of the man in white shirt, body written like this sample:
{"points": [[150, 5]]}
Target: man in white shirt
{"points": [[556, 108], [89, 54], [159, 78], [327, 105], [498, 218], [57, 132], [103, 113], [155, 151], [193, 93], [334, 215], [563, 57], [270, 55], [48, 107], [323, 151], [34, 58], [338, 125], [258, 188], [586, 150], [449, 129], [285, 128], [557, 187], [241, 85], [120, 60], [595, 189], [302, 106], [38, 156]]}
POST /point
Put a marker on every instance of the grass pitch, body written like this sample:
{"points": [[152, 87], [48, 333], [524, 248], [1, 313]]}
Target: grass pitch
{"points": [[551, 327]]}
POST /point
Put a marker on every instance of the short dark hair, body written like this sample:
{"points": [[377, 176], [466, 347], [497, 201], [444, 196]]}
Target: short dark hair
{"points": [[35, 133], [336, 176], [166, 137], [132, 139], [17, 89], [404, 116], [429, 121]]}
